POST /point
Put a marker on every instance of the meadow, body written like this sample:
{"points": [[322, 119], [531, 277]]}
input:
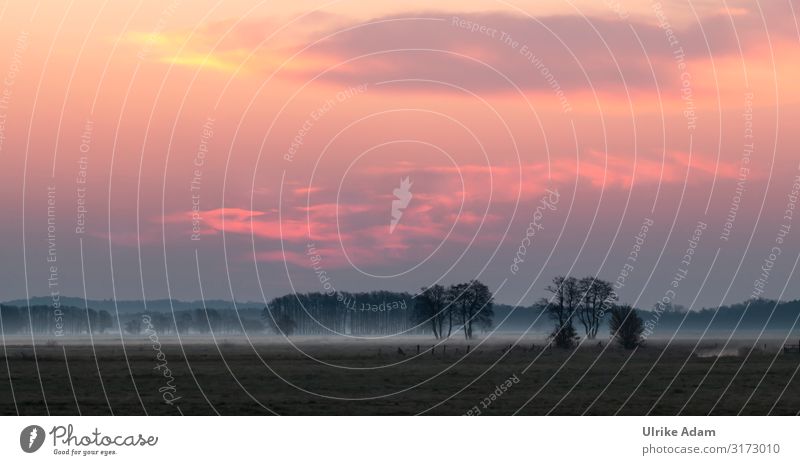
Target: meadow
{"points": [[318, 376]]}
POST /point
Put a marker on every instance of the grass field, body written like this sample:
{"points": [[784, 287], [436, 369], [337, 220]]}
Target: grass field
{"points": [[372, 377]]}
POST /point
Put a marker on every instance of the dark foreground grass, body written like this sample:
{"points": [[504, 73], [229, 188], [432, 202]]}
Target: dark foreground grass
{"points": [[342, 379]]}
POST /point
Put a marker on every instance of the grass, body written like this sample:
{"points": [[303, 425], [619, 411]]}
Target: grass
{"points": [[274, 377]]}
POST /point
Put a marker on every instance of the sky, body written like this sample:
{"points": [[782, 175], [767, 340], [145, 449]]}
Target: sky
{"points": [[244, 150]]}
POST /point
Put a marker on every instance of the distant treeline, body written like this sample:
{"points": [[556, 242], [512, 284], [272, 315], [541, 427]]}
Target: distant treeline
{"points": [[368, 313], [361, 313], [198, 321], [135, 306], [750, 315], [463, 308], [73, 321], [58, 320]]}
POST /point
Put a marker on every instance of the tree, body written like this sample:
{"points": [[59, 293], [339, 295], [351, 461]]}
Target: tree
{"points": [[279, 321], [91, 320], [205, 320], [596, 298], [251, 326], [133, 326], [104, 321], [668, 307], [473, 304], [183, 322], [213, 319], [433, 306], [626, 327], [561, 307], [11, 320]]}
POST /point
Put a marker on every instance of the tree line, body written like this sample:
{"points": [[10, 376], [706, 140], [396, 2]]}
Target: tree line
{"points": [[342, 313], [465, 308], [199, 321], [75, 321], [47, 319], [461, 310]]}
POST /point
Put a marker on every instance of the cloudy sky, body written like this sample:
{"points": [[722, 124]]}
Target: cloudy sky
{"points": [[243, 149]]}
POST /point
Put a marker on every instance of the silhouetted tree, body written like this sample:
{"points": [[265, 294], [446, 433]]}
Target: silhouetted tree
{"points": [[11, 320], [597, 296], [206, 320], [183, 322], [279, 321], [473, 304], [626, 327], [561, 307], [213, 319], [133, 326], [104, 321], [433, 306], [91, 319]]}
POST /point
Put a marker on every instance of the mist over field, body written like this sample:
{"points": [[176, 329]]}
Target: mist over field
{"points": [[741, 321], [305, 354]]}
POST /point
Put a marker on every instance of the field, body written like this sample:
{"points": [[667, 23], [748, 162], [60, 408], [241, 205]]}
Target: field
{"points": [[388, 377]]}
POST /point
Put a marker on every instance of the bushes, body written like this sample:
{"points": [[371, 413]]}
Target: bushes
{"points": [[626, 327]]}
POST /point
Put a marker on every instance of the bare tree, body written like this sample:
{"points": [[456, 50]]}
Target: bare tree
{"points": [[473, 303], [597, 296], [433, 306], [561, 307]]}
